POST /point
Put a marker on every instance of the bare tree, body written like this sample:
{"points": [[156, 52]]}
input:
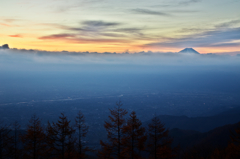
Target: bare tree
{"points": [[34, 140], [159, 142], [135, 137], [16, 128], [82, 130], [114, 128], [60, 138], [5, 141]]}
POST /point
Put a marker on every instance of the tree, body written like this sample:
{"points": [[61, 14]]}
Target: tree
{"points": [[159, 143], [135, 138], [16, 128], [233, 148], [114, 128], [5, 141], [34, 140], [60, 138], [82, 130]]}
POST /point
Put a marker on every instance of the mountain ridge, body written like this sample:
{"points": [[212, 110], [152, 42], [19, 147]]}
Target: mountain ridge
{"points": [[200, 124]]}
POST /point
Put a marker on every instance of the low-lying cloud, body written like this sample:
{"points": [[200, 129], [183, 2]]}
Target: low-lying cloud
{"points": [[31, 57]]}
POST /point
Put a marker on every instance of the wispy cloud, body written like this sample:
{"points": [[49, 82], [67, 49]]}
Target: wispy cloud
{"points": [[10, 20], [95, 32], [206, 28], [228, 24], [4, 24], [75, 4], [188, 2], [214, 38], [149, 12], [183, 11], [93, 26], [16, 36], [225, 34], [175, 3], [57, 36], [72, 38]]}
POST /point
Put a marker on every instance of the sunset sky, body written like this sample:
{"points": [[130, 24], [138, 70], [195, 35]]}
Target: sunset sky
{"points": [[121, 25]]}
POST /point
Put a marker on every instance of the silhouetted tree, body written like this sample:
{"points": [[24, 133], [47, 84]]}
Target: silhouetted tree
{"points": [[135, 138], [60, 137], [34, 140], [114, 127], [82, 130], [159, 143], [199, 152], [5, 141], [233, 148], [16, 128], [219, 154]]}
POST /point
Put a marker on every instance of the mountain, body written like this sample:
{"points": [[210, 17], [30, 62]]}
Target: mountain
{"points": [[189, 51], [218, 137], [201, 124], [5, 46]]}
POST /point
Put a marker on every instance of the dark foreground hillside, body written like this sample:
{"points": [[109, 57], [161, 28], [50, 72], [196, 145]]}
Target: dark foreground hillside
{"points": [[216, 138], [201, 124]]}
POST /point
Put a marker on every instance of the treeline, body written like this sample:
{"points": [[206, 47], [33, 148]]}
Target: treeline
{"points": [[127, 139]]}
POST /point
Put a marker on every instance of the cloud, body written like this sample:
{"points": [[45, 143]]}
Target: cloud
{"points": [[93, 28], [72, 38], [100, 23], [95, 32], [214, 38], [229, 44], [175, 3], [188, 2], [74, 4], [183, 11], [221, 35], [228, 24], [10, 20], [7, 22], [167, 13], [16, 36], [220, 26], [30, 59], [193, 30], [4, 24], [149, 12], [57, 36]]}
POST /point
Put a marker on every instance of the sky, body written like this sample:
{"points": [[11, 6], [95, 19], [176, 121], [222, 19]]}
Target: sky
{"points": [[208, 26]]}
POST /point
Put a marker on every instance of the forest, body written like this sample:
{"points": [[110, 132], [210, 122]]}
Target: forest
{"points": [[127, 138]]}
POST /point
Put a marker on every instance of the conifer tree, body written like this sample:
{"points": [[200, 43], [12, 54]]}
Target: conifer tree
{"points": [[135, 138], [233, 148], [60, 137], [159, 143], [16, 128], [113, 148], [82, 130], [5, 141], [34, 140]]}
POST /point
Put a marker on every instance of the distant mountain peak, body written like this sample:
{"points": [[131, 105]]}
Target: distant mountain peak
{"points": [[5, 46], [189, 51]]}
